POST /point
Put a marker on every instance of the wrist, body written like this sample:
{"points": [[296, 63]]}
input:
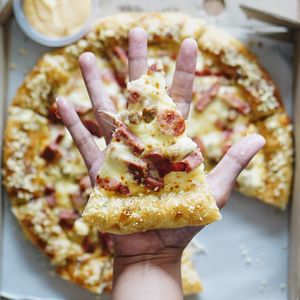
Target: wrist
{"points": [[149, 275], [168, 256]]}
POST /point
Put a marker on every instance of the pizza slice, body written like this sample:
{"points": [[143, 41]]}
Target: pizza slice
{"points": [[153, 174]]}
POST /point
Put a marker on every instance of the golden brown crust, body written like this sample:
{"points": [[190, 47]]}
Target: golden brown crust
{"points": [[55, 69], [134, 214]]}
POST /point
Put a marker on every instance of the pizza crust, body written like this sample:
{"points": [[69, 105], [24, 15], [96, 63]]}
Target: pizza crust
{"points": [[133, 214]]}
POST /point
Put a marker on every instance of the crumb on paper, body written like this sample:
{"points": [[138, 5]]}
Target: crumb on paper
{"points": [[248, 260], [23, 51], [263, 285]]}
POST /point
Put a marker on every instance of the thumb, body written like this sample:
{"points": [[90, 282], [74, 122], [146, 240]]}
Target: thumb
{"points": [[222, 178]]}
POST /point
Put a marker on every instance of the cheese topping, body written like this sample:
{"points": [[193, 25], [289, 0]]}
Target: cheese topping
{"points": [[150, 150]]}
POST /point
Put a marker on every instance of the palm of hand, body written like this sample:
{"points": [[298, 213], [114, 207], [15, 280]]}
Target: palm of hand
{"points": [[221, 179]]}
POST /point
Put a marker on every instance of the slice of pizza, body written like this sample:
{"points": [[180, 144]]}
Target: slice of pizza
{"points": [[153, 174]]}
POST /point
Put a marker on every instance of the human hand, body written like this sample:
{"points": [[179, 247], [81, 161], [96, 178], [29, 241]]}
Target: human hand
{"points": [[166, 243]]}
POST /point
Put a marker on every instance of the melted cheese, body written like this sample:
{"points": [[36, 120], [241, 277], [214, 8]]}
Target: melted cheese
{"points": [[152, 91]]}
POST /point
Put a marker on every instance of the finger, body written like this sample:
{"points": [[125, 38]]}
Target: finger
{"points": [[222, 178], [99, 98], [137, 53], [183, 80], [81, 136]]}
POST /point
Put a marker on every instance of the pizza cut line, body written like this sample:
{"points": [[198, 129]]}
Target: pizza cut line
{"points": [[47, 180]]}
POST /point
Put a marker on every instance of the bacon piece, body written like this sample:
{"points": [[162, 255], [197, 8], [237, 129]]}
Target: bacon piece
{"points": [[53, 113], [106, 242], [169, 167], [85, 183], [171, 122], [51, 200], [156, 158], [189, 163], [153, 184], [51, 153], [193, 160], [138, 170], [121, 54], [87, 245], [236, 103], [133, 97], [78, 201], [122, 132], [67, 219], [111, 184], [93, 127], [205, 97]]}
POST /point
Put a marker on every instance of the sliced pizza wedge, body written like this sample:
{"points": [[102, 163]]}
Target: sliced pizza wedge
{"points": [[153, 174]]}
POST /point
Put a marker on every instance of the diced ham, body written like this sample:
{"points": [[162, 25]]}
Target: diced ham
{"points": [[51, 153], [153, 184], [121, 54], [78, 201], [169, 167], [113, 185], [171, 122], [193, 160], [205, 97], [189, 163], [85, 183], [93, 127], [87, 245], [106, 242], [123, 133], [133, 97], [138, 170], [156, 158], [67, 219], [236, 103]]}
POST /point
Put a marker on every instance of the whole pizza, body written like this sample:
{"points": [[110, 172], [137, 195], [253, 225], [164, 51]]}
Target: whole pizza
{"points": [[46, 177]]}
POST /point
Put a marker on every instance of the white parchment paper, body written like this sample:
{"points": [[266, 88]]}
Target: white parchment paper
{"points": [[246, 252]]}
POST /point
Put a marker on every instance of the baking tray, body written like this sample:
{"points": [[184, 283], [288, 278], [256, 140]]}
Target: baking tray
{"points": [[244, 256]]}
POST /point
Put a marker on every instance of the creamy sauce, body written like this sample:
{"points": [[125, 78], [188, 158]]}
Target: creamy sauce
{"points": [[57, 18]]}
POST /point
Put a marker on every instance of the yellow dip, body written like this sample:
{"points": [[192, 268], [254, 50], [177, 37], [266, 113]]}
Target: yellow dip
{"points": [[57, 18]]}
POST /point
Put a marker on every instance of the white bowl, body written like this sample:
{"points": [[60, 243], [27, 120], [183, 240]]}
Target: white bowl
{"points": [[43, 39]]}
